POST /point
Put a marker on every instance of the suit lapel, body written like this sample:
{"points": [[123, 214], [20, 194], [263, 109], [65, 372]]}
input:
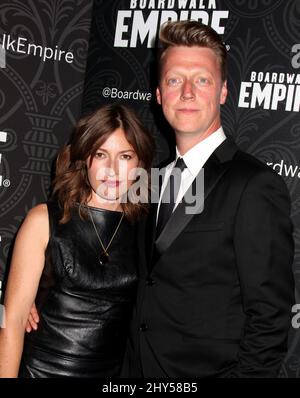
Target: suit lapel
{"points": [[150, 236], [151, 224], [214, 169]]}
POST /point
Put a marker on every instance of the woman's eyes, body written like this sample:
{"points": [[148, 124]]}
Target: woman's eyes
{"points": [[99, 155], [102, 155], [126, 157]]}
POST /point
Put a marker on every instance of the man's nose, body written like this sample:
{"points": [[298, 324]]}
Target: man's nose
{"points": [[187, 90]]}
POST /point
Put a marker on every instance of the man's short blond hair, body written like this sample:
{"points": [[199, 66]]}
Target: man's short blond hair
{"points": [[189, 34]]}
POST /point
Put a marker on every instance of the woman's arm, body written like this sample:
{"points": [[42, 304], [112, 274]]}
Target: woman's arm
{"points": [[24, 276]]}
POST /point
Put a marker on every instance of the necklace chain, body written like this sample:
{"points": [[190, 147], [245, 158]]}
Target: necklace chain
{"points": [[98, 236]]}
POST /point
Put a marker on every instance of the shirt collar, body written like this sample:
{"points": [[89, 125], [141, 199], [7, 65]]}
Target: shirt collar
{"points": [[198, 155]]}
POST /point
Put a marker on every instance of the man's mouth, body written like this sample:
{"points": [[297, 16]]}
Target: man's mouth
{"points": [[187, 110]]}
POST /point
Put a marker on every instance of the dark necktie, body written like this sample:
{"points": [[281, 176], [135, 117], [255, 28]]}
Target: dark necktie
{"points": [[169, 195]]}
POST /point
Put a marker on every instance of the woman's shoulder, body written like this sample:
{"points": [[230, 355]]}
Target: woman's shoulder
{"points": [[38, 211], [35, 227], [38, 215], [48, 212]]}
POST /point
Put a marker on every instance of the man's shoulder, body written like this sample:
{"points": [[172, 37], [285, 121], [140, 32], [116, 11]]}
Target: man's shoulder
{"points": [[248, 161], [241, 158], [241, 162], [250, 167]]}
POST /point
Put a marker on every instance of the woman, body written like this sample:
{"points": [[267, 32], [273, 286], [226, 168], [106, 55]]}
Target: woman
{"points": [[76, 256]]}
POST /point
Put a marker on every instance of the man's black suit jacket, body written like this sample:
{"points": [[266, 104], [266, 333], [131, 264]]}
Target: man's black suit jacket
{"points": [[215, 299]]}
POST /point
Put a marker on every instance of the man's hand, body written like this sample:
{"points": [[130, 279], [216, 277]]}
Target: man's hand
{"points": [[33, 319]]}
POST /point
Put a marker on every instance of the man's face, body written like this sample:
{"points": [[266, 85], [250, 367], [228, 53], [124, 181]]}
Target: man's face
{"points": [[191, 90]]}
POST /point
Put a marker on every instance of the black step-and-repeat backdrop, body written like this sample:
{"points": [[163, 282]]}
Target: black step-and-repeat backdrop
{"points": [[43, 52], [41, 90]]}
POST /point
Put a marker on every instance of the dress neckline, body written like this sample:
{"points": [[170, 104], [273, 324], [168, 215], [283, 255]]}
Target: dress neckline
{"points": [[99, 208]]}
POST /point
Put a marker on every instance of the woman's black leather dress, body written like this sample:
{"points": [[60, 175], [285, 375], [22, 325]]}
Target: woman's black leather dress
{"points": [[85, 307]]}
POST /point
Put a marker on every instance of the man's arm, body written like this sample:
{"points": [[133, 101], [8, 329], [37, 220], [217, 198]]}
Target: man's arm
{"points": [[264, 251]]}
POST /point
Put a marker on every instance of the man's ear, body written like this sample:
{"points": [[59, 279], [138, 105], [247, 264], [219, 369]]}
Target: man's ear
{"points": [[223, 94], [158, 96]]}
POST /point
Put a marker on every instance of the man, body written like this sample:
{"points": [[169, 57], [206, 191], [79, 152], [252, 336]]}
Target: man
{"points": [[216, 287]]}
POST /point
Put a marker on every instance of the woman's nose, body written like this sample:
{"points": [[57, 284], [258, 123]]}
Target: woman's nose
{"points": [[112, 166]]}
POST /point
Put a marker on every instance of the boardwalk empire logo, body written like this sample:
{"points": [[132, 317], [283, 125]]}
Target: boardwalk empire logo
{"points": [[140, 24]]}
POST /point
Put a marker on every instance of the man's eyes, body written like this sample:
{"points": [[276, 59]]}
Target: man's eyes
{"points": [[203, 80], [173, 81], [200, 81]]}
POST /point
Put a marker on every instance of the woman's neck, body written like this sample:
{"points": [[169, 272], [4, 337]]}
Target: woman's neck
{"points": [[101, 203]]}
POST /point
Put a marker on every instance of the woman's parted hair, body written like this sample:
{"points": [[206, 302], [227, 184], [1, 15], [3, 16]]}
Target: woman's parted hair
{"points": [[192, 33], [71, 184]]}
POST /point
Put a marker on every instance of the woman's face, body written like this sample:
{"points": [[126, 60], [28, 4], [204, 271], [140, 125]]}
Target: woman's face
{"points": [[110, 171]]}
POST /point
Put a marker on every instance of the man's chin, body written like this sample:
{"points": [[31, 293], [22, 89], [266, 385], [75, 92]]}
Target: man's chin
{"points": [[189, 131]]}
